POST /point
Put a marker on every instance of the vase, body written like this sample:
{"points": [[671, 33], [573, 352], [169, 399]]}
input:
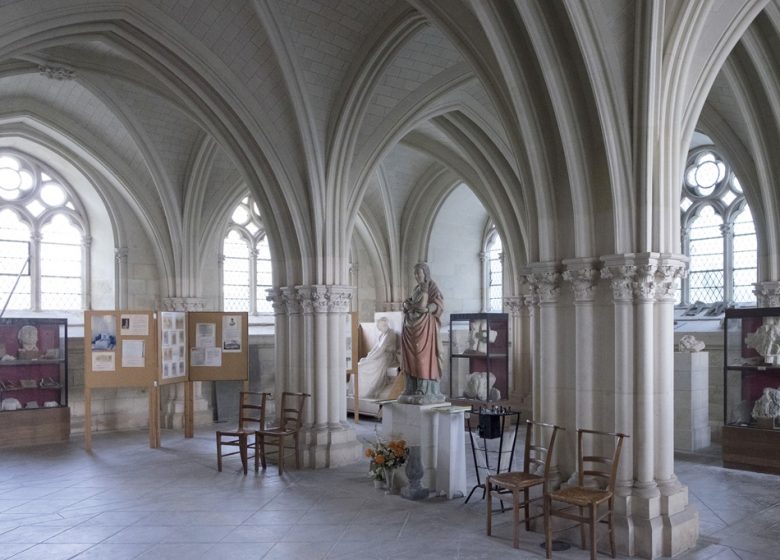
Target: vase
{"points": [[414, 472], [390, 481]]}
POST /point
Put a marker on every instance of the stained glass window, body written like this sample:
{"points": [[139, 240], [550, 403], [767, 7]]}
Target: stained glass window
{"points": [[246, 256], [718, 233], [41, 238]]}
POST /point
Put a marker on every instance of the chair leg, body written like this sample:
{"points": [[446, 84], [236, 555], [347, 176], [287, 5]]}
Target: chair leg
{"points": [[593, 524], [489, 503], [611, 533], [219, 452], [257, 455], [515, 518], [242, 442], [281, 454], [527, 508], [261, 449], [297, 453], [582, 528], [547, 527]]}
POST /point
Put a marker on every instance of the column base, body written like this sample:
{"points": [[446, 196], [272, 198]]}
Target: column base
{"points": [[330, 447]]}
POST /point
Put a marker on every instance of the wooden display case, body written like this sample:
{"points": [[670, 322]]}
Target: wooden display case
{"points": [[33, 381], [750, 365], [479, 358]]}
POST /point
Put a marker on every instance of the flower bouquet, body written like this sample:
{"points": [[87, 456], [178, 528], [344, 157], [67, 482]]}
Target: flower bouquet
{"points": [[386, 456]]}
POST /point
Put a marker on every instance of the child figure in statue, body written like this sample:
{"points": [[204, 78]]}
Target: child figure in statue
{"points": [[421, 354]]}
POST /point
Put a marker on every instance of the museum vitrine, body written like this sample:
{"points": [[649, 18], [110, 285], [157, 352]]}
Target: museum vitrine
{"points": [[479, 359], [751, 385], [33, 381]]}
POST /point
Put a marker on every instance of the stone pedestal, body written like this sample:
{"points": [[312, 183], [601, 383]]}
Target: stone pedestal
{"points": [[691, 401], [438, 429]]}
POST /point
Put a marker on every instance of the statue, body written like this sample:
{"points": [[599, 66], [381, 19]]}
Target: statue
{"points": [[690, 343], [768, 405], [372, 368], [420, 343], [28, 342], [479, 336], [766, 340]]}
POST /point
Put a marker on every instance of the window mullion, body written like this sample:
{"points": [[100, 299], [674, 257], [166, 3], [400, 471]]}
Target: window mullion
{"points": [[685, 296], [35, 270], [728, 262], [253, 280]]}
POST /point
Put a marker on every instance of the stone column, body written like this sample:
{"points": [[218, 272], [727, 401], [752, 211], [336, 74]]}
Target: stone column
{"points": [[519, 364], [172, 396], [583, 274], [680, 521], [620, 272], [546, 281], [329, 441], [484, 287], [120, 277]]}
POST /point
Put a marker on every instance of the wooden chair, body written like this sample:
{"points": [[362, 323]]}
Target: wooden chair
{"points": [[251, 417], [519, 483], [598, 494], [290, 421]]}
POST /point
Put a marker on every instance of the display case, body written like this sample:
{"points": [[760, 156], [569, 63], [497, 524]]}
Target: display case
{"points": [[479, 358], [751, 384], [33, 381]]}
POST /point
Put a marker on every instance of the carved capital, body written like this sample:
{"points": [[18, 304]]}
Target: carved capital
{"points": [[324, 299], [514, 304], [291, 300], [767, 293], [621, 277], [644, 283], [277, 299], [666, 277], [546, 284], [584, 277]]}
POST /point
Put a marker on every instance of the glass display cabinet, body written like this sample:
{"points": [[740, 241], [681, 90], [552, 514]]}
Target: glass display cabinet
{"points": [[751, 385], [479, 358], [33, 381]]}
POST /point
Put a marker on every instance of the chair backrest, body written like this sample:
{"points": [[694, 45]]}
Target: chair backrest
{"points": [[602, 468], [535, 455], [291, 414], [251, 410]]}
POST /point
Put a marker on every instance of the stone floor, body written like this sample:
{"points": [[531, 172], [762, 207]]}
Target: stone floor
{"points": [[126, 501]]}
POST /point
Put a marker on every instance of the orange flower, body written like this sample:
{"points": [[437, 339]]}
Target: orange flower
{"points": [[369, 452], [379, 459]]}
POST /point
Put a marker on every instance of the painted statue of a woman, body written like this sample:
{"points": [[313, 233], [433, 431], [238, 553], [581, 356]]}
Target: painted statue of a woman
{"points": [[421, 354]]}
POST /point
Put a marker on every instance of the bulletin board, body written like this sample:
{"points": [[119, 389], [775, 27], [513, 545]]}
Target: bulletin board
{"points": [[174, 349], [120, 348], [218, 345]]}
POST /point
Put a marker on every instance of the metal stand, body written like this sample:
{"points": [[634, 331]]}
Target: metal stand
{"points": [[492, 424]]}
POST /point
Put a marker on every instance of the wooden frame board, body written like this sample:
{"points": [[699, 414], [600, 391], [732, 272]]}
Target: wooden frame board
{"points": [[120, 350], [212, 330]]}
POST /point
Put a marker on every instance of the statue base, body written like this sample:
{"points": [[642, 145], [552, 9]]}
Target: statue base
{"points": [[422, 399]]}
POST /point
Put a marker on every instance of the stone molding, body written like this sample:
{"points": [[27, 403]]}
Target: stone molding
{"points": [[182, 304], [514, 304], [545, 281], [56, 72], [322, 298]]}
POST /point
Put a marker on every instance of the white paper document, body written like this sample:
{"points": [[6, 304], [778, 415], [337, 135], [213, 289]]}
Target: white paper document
{"points": [[134, 324], [231, 333], [103, 361], [205, 335], [132, 353]]}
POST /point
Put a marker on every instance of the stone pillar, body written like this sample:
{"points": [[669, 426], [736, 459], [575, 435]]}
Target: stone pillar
{"points": [[583, 274], [621, 274], [120, 277], [545, 279], [172, 396], [520, 362], [329, 441]]}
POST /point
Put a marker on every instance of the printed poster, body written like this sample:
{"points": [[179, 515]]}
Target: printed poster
{"points": [[231, 333]]}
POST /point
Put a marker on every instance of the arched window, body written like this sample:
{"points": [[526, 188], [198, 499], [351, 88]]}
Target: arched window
{"points": [[494, 271], [718, 233], [246, 264], [42, 235]]}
